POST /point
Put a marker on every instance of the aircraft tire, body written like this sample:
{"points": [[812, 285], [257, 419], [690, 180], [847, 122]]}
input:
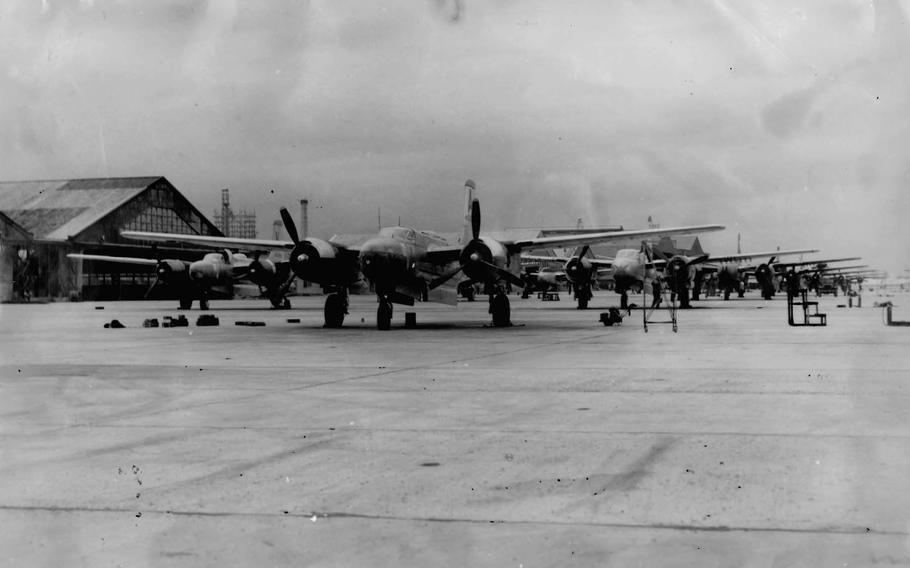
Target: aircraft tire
{"points": [[384, 315], [684, 298], [726, 294], [334, 311], [203, 303], [582, 303], [186, 303], [501, 311], [281, 303]]}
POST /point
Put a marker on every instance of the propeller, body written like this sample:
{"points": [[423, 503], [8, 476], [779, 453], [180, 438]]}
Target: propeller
{"points": [[289, 225], [152, 287], [475, 219], [472, 255], [574, 268]]}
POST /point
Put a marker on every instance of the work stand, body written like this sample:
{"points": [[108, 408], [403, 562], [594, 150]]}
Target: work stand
{"points": [[799, 307], [667, 302]]}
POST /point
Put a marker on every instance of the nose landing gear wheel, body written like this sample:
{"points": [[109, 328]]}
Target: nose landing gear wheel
{"points": [[501, 311], [384, 315]]}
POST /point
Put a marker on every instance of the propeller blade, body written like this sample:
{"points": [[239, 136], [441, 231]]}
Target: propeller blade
{"points": [[152, 287], [437, 282], [584, 251], [289, 225], [475, 218], [503, 273]]}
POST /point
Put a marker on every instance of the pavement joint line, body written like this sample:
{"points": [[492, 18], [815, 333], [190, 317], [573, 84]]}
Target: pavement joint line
{"points": [[380, 373], [876, 436], [325, 516]]}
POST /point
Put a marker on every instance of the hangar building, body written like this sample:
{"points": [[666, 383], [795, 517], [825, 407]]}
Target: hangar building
{"points": [[43, 221]]}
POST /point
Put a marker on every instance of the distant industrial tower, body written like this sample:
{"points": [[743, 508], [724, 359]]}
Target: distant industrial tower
{"points": [[241, 224]]}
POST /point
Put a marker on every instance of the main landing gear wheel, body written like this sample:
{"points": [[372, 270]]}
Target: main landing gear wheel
{"points": [[683, 297], [186, 303], [334, 310], [501, 311], [281, 303], [384, 315], [727, 294]]}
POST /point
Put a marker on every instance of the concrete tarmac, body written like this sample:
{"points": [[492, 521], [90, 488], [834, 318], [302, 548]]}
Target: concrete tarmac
{"points": [[738, 441]]}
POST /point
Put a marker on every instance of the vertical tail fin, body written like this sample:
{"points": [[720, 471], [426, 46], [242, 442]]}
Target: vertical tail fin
{"points": [[466, 234]]}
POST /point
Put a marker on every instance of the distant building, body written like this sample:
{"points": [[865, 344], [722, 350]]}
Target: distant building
{"points": [[43, 221], [240, 224]]}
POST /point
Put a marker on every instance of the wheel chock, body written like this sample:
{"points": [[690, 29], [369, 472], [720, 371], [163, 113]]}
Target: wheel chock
{"points": [[206, 320]]}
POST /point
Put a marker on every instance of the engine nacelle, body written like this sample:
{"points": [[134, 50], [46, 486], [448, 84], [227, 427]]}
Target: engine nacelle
{"points": [[480, 251], [262, 271], [316, 260], [170, 270], [763, 274], [578, 271], [677, 272]]}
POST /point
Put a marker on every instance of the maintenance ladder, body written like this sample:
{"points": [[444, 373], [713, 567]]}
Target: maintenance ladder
{"points": [[808, 310], [668, 300]]}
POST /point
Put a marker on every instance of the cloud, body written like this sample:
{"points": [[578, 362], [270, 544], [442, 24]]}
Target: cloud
{"points": [[694, 112]]}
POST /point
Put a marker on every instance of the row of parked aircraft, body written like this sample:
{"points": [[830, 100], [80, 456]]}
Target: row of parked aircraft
{"points": [[404, 265]]}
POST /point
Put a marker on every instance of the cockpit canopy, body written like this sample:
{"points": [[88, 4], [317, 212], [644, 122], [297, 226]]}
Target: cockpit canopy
{"points": [[402, 233]]}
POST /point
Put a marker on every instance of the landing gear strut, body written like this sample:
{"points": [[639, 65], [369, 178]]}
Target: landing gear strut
{"points": [[336, 306], [583, 294], [624, 301], [384, 314], [500, 310]]}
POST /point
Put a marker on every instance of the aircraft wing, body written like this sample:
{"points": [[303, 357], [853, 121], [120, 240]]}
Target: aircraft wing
{"points": [[599, 262], [579, 239], [839, 268], [118, 259], [748, 256], [207, 241], [545, 258], [819, 261]]}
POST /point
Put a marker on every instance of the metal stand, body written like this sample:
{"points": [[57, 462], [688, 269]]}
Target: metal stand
{"points": [[666, 299], [809, 312]]}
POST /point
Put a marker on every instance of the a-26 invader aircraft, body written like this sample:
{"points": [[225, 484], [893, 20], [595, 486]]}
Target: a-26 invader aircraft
{"points": [[405, 265], [214, 271]]}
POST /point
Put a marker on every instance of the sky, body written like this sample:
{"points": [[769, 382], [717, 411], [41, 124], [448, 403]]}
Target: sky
{"points": [[788, 122]]}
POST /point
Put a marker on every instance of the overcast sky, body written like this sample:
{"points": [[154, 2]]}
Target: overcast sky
{"points": [[786, 121]]}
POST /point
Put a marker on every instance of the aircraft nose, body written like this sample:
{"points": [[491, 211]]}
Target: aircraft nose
{"points": [[382, 259]]}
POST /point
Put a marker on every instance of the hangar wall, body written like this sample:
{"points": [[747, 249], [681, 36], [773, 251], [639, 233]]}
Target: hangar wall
{"points": [[49, 219]]}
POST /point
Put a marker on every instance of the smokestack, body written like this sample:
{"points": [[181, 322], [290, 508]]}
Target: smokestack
{"points": [[276, 229], [304, 218], [226, 212]]}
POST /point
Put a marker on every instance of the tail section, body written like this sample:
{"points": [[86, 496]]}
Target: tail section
{"points": [[466, 233]]}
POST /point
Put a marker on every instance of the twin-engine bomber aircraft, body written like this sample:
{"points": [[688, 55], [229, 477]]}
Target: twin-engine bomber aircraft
{"points": [[215, 270], [404, 264]]}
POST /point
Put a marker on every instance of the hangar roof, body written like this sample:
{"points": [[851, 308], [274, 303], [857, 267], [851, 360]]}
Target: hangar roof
{"points": [[58, 209], [9, 229]]}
